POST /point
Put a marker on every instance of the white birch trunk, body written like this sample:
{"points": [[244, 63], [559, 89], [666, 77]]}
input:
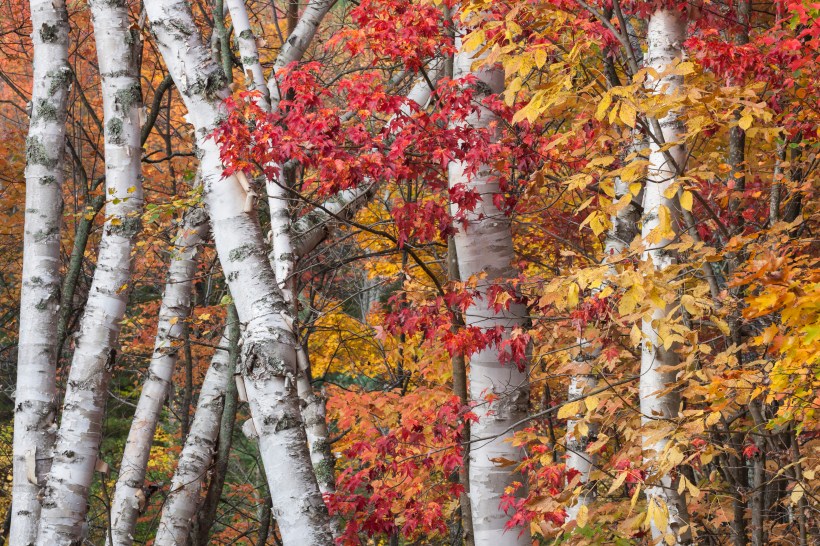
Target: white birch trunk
{"points": [[620, 235], [485, 246], [185, 499], [268, 365], [665, 35], [174, 310], [246, 41], [297, 43], [282, 258], [78, 440], [35, 411]]}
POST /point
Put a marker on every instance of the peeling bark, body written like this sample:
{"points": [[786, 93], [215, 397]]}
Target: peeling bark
{"points": [[659, 406], [174, 310], [484, 246], [35, 398], [78, 440]]}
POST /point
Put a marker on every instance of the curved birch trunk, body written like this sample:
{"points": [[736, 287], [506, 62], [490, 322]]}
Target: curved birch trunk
{"points": [[282, 258], [78, 440], [624, 229], [665, 35], [184, 499], [297, 43], [484, 246], [34, 411], [268, 366], [246, 41], [174, 310]]}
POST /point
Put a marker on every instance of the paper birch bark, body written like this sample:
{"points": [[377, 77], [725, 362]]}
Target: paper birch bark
{"points": [[78, 439], [297, 43], [584, 379], [35, 411], [184, 499], [174, 310], [660, 404], [484, 246], [268, 364]]}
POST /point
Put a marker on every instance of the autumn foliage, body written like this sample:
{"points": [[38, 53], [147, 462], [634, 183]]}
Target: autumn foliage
{"points": [[380, 315]]}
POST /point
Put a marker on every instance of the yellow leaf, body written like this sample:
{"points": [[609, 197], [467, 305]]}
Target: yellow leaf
{"points": [[583, 516], [540, 56], [685, 68], [660, 514], [474, 40], [686, 200], [635, 188], [618, 482], [591, 402], [665, 220], [634, 499], [635, 335], [570, 409], [628, 114], [688, 303], [797, 493], [745, 122], [603, 106], [572, 295]]}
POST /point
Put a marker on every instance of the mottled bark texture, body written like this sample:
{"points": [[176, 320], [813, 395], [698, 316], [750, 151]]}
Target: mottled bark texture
{"points": [[484, 247], [35, 395], [268, 363], [585, 378], [660, 405], [174, 311], [184, 498], [78, 440]]}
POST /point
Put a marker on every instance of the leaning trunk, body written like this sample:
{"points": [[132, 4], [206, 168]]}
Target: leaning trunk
{"points": [[78, 440], [484, 247], [184, 499], [585, 379], [659, 404], [174, 311], [268, 365], [34, 412]]}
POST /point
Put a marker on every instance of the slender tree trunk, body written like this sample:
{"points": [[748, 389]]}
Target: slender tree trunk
{"points": [[268, 364], [76, 450], [665, 36], [78, 440], [282, 260], [225, 436], [459, 366], [184, 499], [484, 246], [299, 39], [75, 262], [35, 398], [245, 39], [624, 229], [174, 310]]}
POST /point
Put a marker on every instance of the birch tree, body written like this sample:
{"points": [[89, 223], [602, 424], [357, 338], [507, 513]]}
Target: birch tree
{"points": [[268, 364], [95, 353], [35, 394], [660, 405], [584, 380], [174, 310], [484, 247], [185, 499]]}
